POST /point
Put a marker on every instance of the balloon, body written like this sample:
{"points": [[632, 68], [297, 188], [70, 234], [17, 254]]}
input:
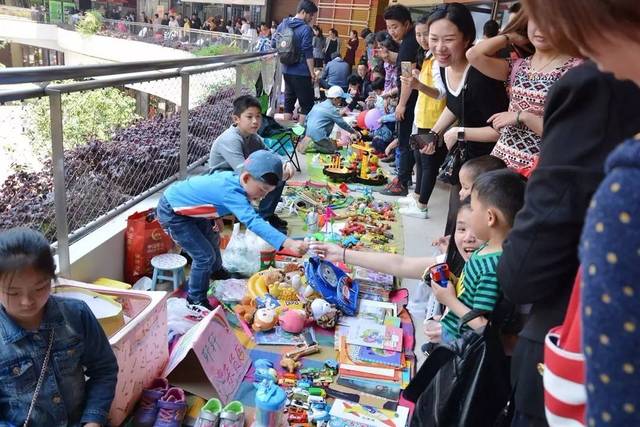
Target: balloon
{"points": [[360, 121], [371, 119]]}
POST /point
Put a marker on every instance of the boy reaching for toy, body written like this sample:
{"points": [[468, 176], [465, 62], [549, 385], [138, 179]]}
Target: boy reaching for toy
{"points": [[187, 207]]}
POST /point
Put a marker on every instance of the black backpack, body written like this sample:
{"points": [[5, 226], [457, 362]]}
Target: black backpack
{"points": [[286, 45]]}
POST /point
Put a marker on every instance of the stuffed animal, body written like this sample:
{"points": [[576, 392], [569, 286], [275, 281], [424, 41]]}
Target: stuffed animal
{"points": [[265, 319], [293, 321], [325, 314], [246, 309], [289, 364], [272, 275]]}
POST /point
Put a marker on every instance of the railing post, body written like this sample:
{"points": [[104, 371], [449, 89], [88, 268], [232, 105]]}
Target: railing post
{"points": [[238, 79], [184, 126], [59, 190], [276, 88]]}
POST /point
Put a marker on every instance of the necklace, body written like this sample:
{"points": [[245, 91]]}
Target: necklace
{"points": [[540, 69]]}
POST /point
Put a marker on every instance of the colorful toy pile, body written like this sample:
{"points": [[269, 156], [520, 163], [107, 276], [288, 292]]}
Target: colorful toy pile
{"points": [[357, 164]]}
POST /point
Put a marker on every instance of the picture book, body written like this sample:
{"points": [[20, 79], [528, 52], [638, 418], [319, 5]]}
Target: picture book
{"points": [[278, 336], [338, 391], [379, 356], [385, 389], [349, 368], [371, 334], [373, 278], [392, 321], [376, 311], [354, 414]]}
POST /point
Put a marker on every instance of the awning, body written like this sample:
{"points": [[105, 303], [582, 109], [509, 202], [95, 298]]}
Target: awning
{"points": [[230, 2]]}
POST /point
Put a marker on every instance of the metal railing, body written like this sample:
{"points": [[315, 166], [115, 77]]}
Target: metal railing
{"points": [[76, 184], [163, 35], [177, 38]]}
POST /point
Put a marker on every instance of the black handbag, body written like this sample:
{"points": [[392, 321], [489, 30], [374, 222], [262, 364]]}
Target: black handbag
{"points": [[464, 383], [456, 157]]}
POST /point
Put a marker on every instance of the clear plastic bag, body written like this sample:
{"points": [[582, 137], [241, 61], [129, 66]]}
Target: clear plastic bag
{"points": [[242, 254]]}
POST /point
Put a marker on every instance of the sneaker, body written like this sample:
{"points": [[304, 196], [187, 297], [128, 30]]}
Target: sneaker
{"points": [[407, 202], [148, 409], [395, 189], [194, 405], [221, 274], [277, 222], [204, 303], [415, 212], [210, 414], [172, 408], [232, 415]]}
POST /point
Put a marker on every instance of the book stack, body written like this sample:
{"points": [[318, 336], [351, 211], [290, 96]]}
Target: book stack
{"points": [[373, 285], [373, 368]]}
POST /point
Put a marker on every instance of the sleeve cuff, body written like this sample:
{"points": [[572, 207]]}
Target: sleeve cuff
{"points": [[94, 416]]}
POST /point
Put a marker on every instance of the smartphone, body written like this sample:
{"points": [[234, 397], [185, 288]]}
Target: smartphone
{"points": [[405, 68], [419, 141]]}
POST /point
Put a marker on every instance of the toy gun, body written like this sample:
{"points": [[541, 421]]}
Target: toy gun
{"points": [[440, 274]]}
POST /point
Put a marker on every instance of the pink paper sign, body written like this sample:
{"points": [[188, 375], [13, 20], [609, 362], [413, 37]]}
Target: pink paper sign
{"points": [[222, 359]]}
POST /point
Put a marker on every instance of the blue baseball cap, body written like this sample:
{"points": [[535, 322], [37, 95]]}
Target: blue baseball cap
{"points": [[262, 162]]}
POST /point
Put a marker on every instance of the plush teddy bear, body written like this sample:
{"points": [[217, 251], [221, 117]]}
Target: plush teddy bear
{"points": [[265, 319], [246, 309], [272, 275]]}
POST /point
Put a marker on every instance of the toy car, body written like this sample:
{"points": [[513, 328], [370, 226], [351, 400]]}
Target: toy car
{"points": [[297, 415], [319, 412]]}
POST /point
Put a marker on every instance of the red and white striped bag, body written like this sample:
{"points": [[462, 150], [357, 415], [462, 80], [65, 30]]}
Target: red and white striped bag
{"points": [[565, 395]]}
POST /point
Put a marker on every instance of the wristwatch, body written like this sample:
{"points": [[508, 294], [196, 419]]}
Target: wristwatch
{"points": [[460, 133]]}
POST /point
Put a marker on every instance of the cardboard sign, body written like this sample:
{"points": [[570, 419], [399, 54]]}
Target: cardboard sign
{"points": [[209, 361]]}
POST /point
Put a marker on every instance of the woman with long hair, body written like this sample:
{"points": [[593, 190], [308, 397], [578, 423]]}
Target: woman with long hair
{"points": [[332, 45], [319, 44], [608, 32], [529, 80], [472, 97], [352, 47]]}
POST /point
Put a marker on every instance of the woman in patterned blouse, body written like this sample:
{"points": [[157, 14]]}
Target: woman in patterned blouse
{"points": [[529, 81]]}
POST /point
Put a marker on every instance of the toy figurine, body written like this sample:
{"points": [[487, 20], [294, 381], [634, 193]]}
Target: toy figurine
{"points": [[265, 319], [289, 364], [246, 309], [325, 314], [293, 321]]}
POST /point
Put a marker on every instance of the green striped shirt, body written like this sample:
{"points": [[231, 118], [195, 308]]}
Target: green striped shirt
{"points": [[479, 288]]}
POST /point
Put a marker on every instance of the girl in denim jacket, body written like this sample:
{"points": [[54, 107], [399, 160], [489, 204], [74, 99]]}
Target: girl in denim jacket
{"points": [[56, 365]]}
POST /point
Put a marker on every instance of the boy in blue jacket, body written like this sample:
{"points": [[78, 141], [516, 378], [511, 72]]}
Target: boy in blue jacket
{"points": [[187, 207]]}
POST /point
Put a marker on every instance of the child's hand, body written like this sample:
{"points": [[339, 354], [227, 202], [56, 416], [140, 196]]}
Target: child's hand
{"points": [[442, 243], [298, 247], [433, 329], [288, 171], [444, 295]]}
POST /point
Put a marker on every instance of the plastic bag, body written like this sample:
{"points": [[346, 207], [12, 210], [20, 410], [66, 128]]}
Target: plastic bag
{"points": [[181, 316], [242, 254]]}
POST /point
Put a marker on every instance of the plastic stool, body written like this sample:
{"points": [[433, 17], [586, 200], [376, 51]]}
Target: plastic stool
{"points": [[173, 263]]}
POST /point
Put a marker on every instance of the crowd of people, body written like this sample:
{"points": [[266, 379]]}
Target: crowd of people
{"points": [[520, 123], [528, 128]]}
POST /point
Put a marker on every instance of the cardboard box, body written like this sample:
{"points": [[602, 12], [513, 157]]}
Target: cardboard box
{"points": [[209, 361], [140, 345]]}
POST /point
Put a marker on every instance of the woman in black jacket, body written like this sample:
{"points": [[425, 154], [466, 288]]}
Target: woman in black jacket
{"points": [[587, 114]]}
